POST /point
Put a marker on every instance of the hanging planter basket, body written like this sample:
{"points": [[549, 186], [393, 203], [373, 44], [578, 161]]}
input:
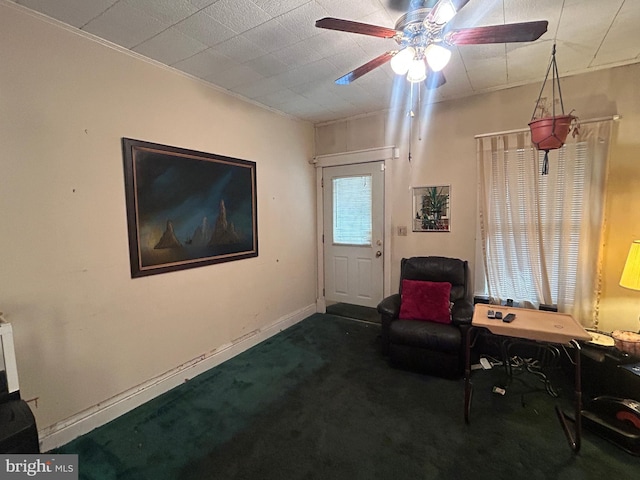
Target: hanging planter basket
{"points": [[551, 131]]}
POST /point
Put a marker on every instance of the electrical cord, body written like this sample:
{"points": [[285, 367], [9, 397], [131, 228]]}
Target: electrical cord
{"points": [[519, 365]]}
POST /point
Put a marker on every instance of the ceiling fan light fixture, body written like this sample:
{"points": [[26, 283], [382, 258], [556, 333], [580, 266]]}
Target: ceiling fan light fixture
{"points": [[442, 13], [425, 28], [437, 57], [401, 61], [417, 71]]}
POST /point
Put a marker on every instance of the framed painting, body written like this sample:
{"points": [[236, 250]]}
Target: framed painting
{"points": [[431, 209], [187, 209]]}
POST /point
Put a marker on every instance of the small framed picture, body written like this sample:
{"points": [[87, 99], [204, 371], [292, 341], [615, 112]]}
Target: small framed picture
{"points": [[431, 209]]}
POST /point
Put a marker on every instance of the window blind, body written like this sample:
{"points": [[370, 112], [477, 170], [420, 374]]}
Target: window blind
{"points": [[352, 217]]}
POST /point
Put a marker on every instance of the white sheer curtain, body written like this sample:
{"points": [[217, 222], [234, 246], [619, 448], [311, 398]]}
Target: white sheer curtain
{"points": [[541, 234]]}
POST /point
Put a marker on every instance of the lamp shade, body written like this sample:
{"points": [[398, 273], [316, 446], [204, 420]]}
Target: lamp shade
{"points": [[437, 57], [401, 61], [631, 273], [417, 71]]}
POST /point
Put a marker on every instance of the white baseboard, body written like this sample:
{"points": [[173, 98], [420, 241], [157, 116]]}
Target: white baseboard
{"points": [[83, 422]]}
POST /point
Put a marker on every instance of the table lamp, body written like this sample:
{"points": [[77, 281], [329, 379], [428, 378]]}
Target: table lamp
{"points": [[631, 274], [630, 341]]}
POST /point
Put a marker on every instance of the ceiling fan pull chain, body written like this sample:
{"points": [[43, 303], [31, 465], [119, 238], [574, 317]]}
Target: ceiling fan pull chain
{"points": [[419, 113], [411, 115]]}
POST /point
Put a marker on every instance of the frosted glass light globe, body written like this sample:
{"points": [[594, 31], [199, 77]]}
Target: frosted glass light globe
{"points": [[417, 71], [401, 61], [437, 57]]}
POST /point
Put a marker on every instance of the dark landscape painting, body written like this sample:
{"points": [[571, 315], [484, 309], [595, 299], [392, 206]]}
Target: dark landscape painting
{"points": [[187, 209]]}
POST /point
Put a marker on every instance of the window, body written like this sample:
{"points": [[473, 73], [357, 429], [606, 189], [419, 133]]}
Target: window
{"points": [[352, 220], [524, 230], [540, 235]]}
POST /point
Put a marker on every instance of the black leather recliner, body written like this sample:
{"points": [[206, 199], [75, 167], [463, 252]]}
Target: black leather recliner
{"points": [[429, 347]]}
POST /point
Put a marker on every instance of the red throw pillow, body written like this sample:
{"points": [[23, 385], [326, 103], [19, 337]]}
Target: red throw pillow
{"points": [[422, 300]]}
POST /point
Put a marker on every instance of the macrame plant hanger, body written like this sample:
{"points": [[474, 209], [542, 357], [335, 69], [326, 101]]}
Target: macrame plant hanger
{"points": [[549, 133]]}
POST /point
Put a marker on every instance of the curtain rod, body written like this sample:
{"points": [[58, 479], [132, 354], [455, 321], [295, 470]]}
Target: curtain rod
{"points": [[519, 130]]}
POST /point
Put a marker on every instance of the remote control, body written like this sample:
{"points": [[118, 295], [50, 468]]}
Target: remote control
{"points": [[498, 315], [509, 318]]}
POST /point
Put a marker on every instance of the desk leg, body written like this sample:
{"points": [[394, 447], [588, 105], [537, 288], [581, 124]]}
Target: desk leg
{"points": [[468, 387], [574, 437]]}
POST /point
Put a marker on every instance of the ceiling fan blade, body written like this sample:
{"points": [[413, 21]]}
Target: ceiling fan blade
{"points": [[355, 27], [511, 32], [459, 4], [445, 10], [434, 80], [366, 68]]}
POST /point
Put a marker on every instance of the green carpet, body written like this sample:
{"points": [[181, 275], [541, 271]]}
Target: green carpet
{"points": [[317, 401]]}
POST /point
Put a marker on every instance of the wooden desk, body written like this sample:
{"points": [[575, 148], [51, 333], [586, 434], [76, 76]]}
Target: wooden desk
{"points": [[536, 325]]}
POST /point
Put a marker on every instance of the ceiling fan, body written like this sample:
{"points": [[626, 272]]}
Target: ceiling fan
{"points": [[425, 40]]}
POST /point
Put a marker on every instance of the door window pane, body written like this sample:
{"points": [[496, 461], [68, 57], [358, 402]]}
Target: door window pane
{"points": [[352, 210]]}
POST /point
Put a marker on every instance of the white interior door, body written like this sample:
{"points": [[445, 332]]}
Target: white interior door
{"points": [[353, 202]]}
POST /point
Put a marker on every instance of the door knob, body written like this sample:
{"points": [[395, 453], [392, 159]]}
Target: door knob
{"points": [[378, 253]]}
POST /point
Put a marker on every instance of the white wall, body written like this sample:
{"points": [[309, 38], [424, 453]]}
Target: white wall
{"points": [[84, 330], [445, 154]]}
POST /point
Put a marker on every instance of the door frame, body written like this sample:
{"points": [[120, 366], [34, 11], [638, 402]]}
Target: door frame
{"points": [[382, 154]]}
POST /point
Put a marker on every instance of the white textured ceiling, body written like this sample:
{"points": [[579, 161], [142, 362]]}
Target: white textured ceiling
{"points": [[269, 51]]}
